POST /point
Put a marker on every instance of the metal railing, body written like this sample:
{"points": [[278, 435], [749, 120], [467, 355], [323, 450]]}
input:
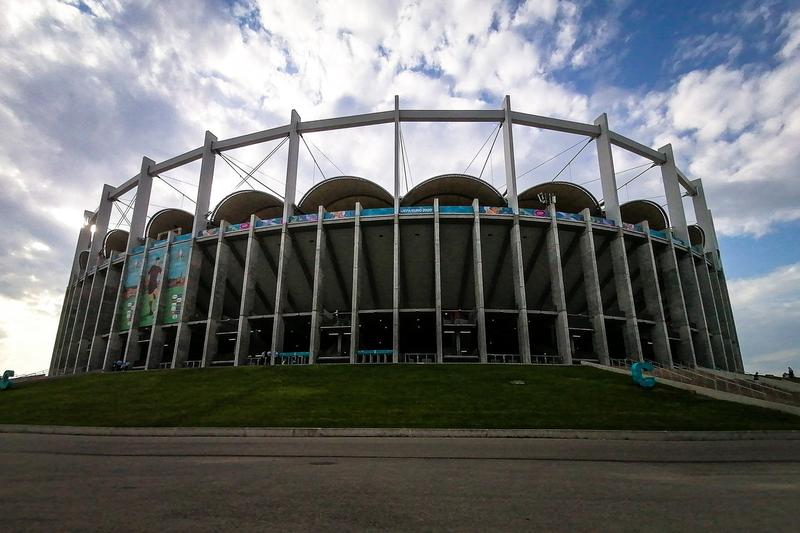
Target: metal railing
{"points": [[693, 376]]}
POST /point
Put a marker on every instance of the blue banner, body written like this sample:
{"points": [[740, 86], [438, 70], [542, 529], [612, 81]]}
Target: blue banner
{"points": [[377, 212]]}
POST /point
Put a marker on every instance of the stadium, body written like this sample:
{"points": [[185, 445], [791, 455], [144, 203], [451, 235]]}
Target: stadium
{"points": [[451, 271]]}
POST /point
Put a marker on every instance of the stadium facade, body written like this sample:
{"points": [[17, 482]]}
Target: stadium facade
{"points": [[452, 271]]}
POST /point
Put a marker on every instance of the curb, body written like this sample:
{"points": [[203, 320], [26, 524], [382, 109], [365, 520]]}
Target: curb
{"points": [[575, 434]]}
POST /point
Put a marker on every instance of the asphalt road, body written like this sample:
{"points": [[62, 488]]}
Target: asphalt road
{"points": [[52, 482]]}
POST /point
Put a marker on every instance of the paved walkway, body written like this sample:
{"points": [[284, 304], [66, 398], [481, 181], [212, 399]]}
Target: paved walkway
{"points": [[406, 484]]}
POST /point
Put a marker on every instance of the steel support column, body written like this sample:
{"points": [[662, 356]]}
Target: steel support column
{"points": [[478, 273], [557, 288]]}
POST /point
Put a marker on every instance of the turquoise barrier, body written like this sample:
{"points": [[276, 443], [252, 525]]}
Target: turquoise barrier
{"points": [[377, 212], [375, 352], [6, 383], [637, 373]]}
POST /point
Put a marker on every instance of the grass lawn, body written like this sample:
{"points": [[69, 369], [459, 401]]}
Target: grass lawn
{"points": [[429, 396]]}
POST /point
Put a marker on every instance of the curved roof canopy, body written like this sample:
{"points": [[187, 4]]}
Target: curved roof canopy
{"points": [[341, 193], [697, 235], [115, 240], [636, 211], [453, 189], [168, 219], [238, 206], [570, 197]]}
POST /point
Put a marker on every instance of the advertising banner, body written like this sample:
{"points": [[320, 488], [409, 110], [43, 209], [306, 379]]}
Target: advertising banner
{"points": [[577, 217], [130, 286], [377, 212], [340, 214], [417, 210], [540, 213], [178, 267], [496, 210], [237, 227], [304, 218], [269, 222], [153, 270]]}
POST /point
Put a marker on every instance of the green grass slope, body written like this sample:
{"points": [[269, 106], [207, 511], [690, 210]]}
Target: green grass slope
{"points": [[425, 396]]}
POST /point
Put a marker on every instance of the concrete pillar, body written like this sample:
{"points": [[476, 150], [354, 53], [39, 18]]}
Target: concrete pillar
{"points": [[396, 224], [608, 179], [672, 189], [90, 319], [62, 325], [356, 296], [320, 253], [594, 299], [722, 314], [694, 309], [396, 288], [84, 238], [155, 348], [712, 316], [286, 242], [71, 348], [437, 269], [217, 301], [64, 330], [478, 271], [704, 219], [254, 259], [132, 348], [557, 289], [101, 226], [648, 271], [736, 350], [183, 334], [517, 268], [622, 285], [676, 304], [61, 339], [141, 205], [105, 316], [204, 185], [282, 288]]}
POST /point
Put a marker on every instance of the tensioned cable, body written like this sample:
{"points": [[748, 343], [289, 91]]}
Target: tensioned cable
{"points": [[405, 151], [276, 180], [403, 157], [121, 212], [548, 160], [313, 158], [636, 176], [258, 166], [573, 159], [632, 168], [496, 135], [179, 181], [481, 148], [328, 158], [247, 176], [175, 189], [133, 200]]}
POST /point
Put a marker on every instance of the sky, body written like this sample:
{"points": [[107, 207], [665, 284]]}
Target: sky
{"points": [[87, 88]]}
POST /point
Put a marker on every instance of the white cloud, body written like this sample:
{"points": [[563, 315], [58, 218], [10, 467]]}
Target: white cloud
{"points": [[83, 97], [767, 311]]}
